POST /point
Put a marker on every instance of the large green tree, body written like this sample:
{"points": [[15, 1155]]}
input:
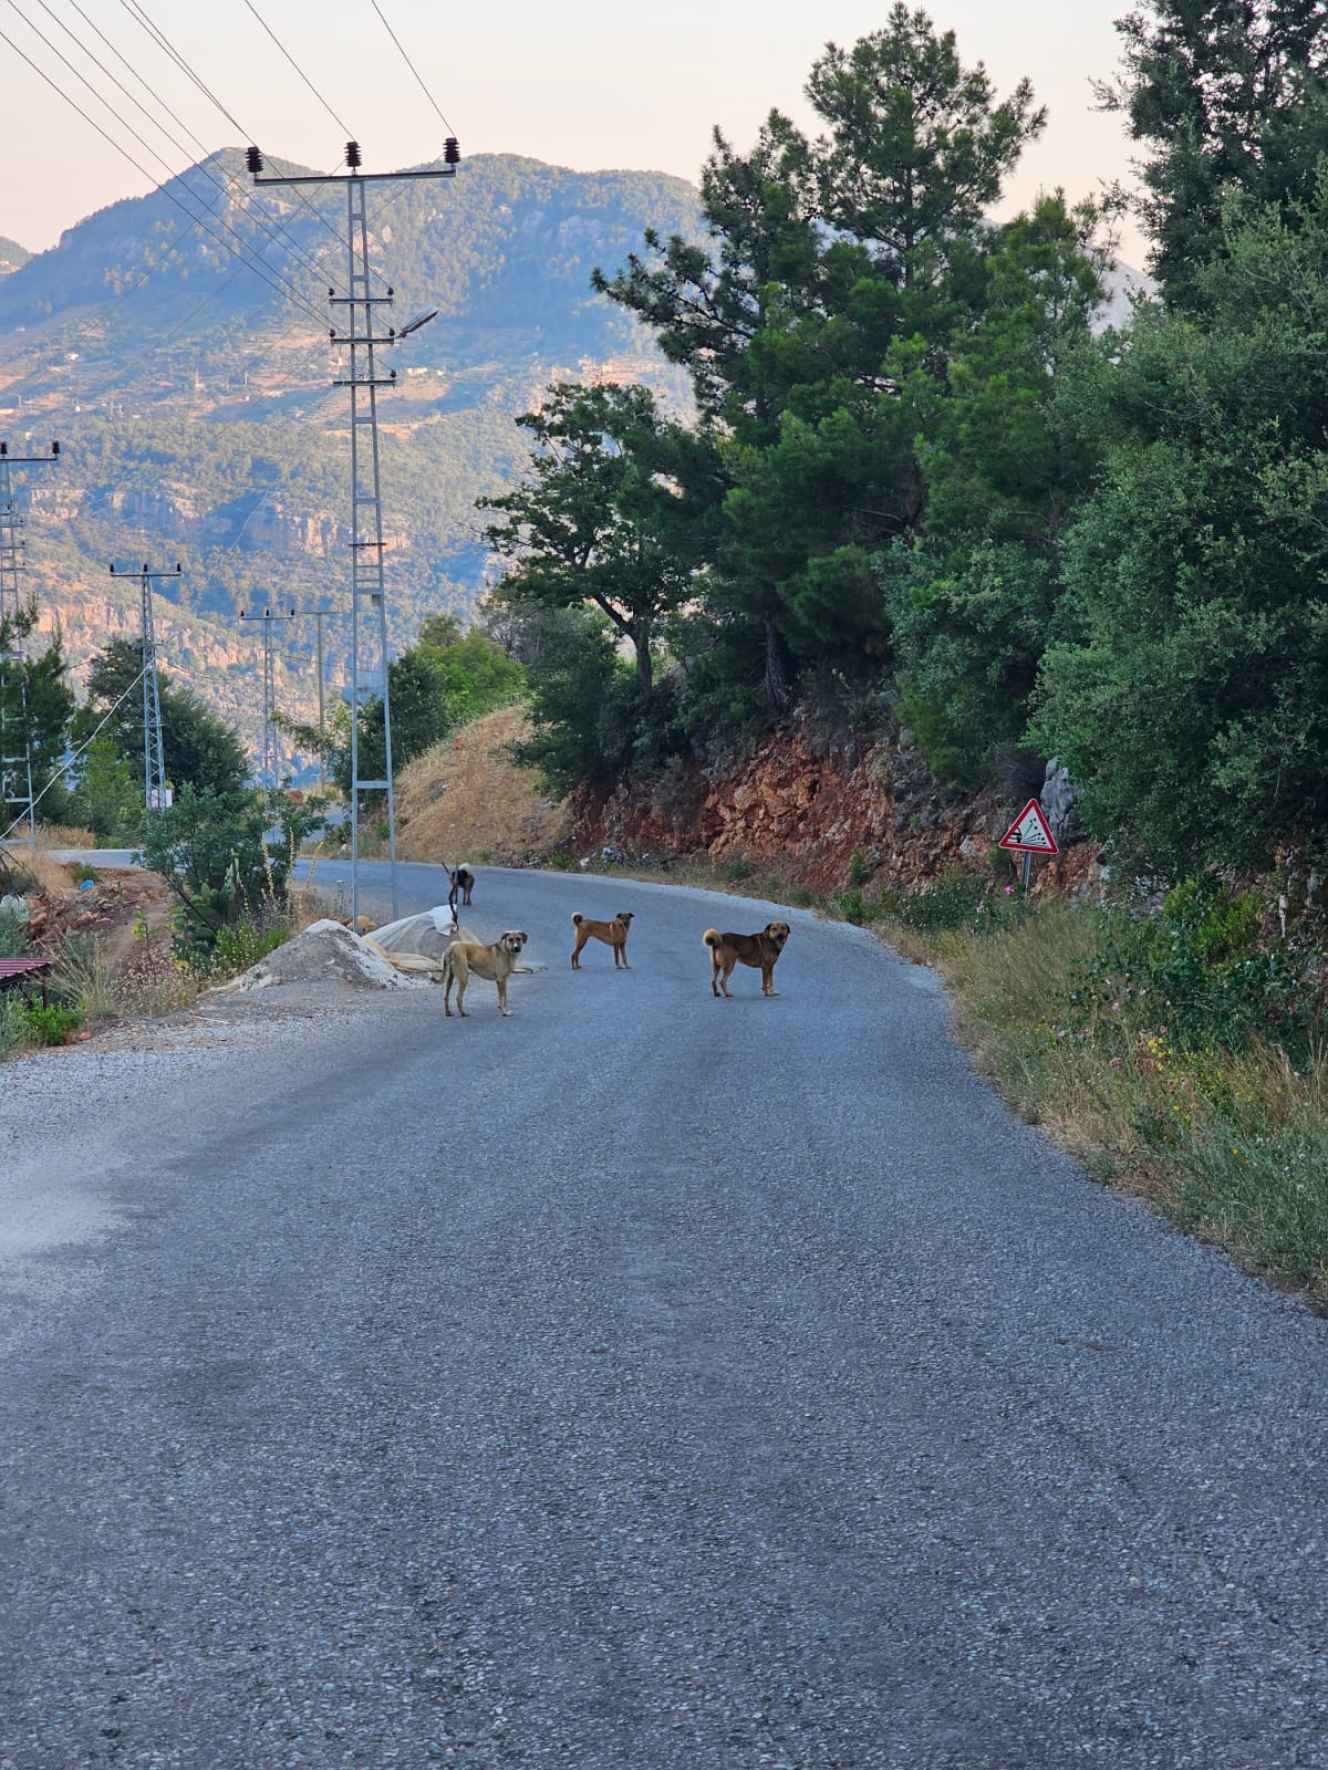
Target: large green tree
{"points": [[36, 707], [1189, 691], [974, 592], [602, 516], [200, 749], [1225, 95], [832, 267]]}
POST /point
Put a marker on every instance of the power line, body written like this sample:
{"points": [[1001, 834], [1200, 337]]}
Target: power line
{"points": [[265, 221], [411, 65], [233, 183], [139, 14], [64, 768], [345, 128], [288, 290]]}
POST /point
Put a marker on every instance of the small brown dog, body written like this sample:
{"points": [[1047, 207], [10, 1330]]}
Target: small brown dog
{"points": [[760, 951], [497, 962], [612, 933]]}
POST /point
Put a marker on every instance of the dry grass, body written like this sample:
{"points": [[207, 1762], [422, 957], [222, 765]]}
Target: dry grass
{"points": [[1232, 1147], [64, 836], [467, 800]]}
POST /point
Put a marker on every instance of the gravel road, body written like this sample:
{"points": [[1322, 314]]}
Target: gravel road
{"points": [[642, 1381]]}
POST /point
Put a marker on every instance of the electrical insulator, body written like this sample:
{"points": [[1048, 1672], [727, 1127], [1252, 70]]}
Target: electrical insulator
{"points": [[254, 160], [452, 151], [4, 448], [352, 154], [55, 448]]}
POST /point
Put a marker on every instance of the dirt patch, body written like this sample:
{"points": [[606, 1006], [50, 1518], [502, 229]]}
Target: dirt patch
{"points": [[114, 910]]}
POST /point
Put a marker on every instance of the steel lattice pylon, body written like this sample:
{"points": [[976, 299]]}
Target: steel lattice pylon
{"points": [[369, 654], [270, 769], [18, 801], [156, 795]]}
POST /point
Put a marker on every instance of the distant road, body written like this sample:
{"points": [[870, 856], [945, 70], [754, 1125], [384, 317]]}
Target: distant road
{"points": [[644, 1381]]}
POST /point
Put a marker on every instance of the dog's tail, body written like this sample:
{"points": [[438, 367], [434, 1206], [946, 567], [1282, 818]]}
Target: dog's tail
{"points": [[712, 938], [577, 920]]}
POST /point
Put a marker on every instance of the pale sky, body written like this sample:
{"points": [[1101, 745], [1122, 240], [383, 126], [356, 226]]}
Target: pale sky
{"points": [[588, 83]]}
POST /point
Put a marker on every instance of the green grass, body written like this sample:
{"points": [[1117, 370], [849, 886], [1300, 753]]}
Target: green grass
{"points": [[1232, 1145]]}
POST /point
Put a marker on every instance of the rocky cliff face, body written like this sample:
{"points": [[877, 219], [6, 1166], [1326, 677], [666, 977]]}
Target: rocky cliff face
{"points": [[807, 814]]}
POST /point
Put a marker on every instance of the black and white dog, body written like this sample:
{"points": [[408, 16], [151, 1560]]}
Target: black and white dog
{"points": [[461, 882]]}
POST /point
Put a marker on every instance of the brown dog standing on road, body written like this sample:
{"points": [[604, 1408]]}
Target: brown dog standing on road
{"points": [[760, 951], [497, 962], [612, 933]]}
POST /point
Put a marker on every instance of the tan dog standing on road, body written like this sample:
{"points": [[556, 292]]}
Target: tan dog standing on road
{"points": [[497, 962], [612, 933], [760, 951]]}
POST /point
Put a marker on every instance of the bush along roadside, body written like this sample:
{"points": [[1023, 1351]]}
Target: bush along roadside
{"points": [[1178, 1054]]}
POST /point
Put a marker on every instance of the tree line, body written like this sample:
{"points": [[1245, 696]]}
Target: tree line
{"points": [[924, 485]]}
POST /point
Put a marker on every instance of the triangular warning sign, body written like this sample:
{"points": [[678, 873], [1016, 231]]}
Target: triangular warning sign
{"points": [[1030, 833]]}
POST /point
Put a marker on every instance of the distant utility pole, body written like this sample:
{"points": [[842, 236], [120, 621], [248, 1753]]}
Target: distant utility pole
{"points": [[271, 736], [319, 615], [369, 656], [17, 800], [156, 793]]}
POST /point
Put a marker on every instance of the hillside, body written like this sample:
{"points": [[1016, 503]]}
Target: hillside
{"points": [[12, 256], [466, 800], [197, 421]]}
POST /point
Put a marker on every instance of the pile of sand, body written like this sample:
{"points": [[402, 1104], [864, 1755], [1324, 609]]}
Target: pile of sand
{"points": [[326, 952]]}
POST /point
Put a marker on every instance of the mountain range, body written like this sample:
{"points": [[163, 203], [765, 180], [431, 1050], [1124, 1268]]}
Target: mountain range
{"points": [[197, 420], [192, 394]]}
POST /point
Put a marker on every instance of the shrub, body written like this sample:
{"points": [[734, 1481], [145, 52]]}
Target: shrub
{"points": [[15, 1029], [859, 868], [958, 901], [51, 1025], [850, 906], [13, 935], [1200, 971], [242, 944], [738, 869], [211, 850], [83, 979]]}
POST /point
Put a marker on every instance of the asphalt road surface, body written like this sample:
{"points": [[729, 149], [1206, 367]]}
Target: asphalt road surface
{"points": [[650, 1381]]}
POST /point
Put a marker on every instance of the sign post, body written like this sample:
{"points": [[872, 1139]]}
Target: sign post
{"points": [[1030, 835]]}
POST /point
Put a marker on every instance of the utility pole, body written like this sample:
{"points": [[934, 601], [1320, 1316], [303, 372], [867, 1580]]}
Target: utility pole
{"points": [[271, 737], [156, 793], [16, 794], [319, 615], [369, 655]]}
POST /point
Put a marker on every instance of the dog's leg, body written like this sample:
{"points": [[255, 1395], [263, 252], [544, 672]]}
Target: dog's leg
{"points": [[447, 991], [730, 961], [463, 978], [502, 997], [576, 951]]}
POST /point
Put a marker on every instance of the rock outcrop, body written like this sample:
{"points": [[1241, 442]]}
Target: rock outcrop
{"points": [[808, 815]]}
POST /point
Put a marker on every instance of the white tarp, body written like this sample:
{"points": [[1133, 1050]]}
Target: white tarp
{"points": [[418, 943]]}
